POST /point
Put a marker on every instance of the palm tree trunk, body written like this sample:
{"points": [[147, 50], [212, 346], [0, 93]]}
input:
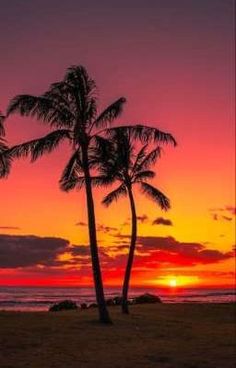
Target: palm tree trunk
{"points": [[103, 312], [125, 289]]}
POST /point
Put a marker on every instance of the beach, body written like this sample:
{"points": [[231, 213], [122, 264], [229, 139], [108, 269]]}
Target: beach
{"points": [[158, 335]]}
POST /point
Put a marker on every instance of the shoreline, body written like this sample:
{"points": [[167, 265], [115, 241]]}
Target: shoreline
{"points": [[41, 299]]}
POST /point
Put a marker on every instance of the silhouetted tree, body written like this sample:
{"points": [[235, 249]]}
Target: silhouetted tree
{"points": [[5, 160], [69, 107], [130, 168]]}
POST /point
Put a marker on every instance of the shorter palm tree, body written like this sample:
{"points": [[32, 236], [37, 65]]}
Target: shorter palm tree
{"points": [[5, 160], [130, 168]]}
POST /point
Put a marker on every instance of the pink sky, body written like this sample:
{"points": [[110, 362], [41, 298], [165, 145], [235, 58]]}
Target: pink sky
{"points": [[174, 62]]}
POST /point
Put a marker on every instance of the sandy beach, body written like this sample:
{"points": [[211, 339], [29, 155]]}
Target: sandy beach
{"points": [[161, 335]]}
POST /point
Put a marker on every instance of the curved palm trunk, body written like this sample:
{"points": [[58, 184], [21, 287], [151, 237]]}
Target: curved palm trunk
{"points": [[103, 312], [125, 289]]}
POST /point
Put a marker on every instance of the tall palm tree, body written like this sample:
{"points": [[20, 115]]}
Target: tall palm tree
{"points": [[69, 107], [130, 168], [5, 160]]}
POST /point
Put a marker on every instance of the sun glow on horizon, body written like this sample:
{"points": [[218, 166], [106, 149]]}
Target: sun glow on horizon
{"points": [[173, 283], [176, 281]]}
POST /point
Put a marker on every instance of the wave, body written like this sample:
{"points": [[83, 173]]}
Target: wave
{"points": [[36, 299]]}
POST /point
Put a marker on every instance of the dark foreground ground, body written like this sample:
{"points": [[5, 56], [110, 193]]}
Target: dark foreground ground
{"points": [[161, 335]]}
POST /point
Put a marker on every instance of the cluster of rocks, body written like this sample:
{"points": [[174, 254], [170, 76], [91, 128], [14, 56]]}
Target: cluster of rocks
{"points": [[117, 300]]}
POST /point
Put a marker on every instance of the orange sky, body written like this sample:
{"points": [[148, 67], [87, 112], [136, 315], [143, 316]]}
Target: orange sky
{"points": [[175, 67]]}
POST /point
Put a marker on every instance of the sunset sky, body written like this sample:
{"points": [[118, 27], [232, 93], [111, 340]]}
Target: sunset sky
{"points": [[174, 62]]}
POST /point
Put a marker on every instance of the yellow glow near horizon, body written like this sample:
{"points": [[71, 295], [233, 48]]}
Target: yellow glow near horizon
{"points": [[173, 283]]}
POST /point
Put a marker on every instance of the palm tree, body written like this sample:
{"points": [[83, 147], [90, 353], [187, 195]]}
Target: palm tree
{"points": [[5, 160], [130, 168], [70, 109]]}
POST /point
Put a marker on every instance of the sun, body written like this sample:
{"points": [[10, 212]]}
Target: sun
{"points": [[173, 283]]}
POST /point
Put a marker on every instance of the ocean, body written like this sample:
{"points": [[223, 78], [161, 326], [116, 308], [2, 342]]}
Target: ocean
{"points": [[41, 298]]}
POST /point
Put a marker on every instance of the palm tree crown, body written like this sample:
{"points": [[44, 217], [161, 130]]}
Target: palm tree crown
{"points": [[70, 108], [129, 168]]}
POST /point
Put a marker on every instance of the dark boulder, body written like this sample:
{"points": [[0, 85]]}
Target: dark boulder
{"points": [[110, 302], [147, 299], [93, 305], [64, 305], [83, 306], [117, 300]]}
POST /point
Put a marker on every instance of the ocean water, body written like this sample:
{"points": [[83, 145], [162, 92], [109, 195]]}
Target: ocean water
{"points": [[41, 298]]}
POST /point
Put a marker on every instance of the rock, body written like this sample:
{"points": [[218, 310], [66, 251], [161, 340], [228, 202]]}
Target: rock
{"points": [[64, 305], [117, 300], [93, 305], [147, 299], [109, 302], [83, 306]]}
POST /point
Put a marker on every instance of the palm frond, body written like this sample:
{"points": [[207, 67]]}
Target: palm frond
{"points": [[110, 113], [143, 175], [2, 130], [114, 195], [102, 180], [42, 108], [28, 105], [149, 159], [5, 159], [156, 195], [78, 77], [69, 178], [144, 133], [83, 88], [38, 147], [140, 156], [91, 110], [100, 150]]}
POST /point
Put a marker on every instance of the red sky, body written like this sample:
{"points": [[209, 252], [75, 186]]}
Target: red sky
{"points": [[173, 61]]}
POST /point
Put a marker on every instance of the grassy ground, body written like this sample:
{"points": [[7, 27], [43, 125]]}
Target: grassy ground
{"points": [[176, 336]]}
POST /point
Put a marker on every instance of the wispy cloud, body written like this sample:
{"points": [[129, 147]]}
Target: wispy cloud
{"points": [[9, 228], [222, 213], [81, 223], [162, 221]]}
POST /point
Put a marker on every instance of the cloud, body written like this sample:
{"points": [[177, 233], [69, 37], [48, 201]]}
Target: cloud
{"points": [[231, 209], [142, 218], [215, 217], [167, 250], [162, 221], [81, 223], [222, 213], [9, 228], [29, 250], [226, 218], [105, 229], [42, 255]]}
